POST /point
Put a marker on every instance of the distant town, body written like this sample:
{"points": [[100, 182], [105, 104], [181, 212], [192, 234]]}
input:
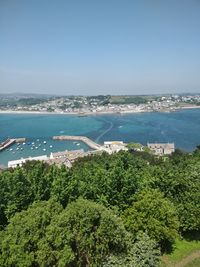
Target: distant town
{"points": [[100, 104]]}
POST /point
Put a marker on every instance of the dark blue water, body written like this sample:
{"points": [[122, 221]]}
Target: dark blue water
{"points": [[181, 127]]}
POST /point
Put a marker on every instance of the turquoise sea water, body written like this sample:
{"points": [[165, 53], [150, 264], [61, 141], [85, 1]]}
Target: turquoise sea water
{"points": [[181, 127]]}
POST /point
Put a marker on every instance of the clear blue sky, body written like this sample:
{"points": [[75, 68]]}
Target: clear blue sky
{"points": [[100, 46]]}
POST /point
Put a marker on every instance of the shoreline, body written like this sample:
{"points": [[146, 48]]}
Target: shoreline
{"points": [[82, 114]]}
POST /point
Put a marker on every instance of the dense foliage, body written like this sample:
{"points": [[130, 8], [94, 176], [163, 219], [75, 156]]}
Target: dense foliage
{"points": [[27, 101], [105, 211], [137, 100], [151, 212]]}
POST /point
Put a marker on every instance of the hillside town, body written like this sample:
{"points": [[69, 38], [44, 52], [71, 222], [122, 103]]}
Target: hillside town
{"points": [[84, 105]]}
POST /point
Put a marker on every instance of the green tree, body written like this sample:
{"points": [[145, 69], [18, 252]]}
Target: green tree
{"points": [[20, 187], [108, 179], [91, 230], [179, 181], [21, 242], [15, 193], [144, 252], [154, 214]]}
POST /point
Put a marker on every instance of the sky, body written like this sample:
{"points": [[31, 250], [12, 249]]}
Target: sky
{"points": [[94, 47]]}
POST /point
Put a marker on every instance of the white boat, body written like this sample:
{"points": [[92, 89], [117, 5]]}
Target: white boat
{"points": [[45, 142], [11, 149], [50, 146], [24, 143], [44, 149]]}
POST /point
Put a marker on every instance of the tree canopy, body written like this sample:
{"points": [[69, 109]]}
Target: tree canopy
{"points": [[94, 213]]}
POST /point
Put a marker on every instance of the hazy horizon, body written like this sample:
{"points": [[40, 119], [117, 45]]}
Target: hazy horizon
{"points": [[100, 47], [75, 95]]}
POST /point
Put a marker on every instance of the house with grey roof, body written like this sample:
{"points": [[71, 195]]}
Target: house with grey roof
{"points": [[161, 149]]}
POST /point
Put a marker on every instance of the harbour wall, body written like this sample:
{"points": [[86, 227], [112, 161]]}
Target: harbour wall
{"points": [[84, 139]]}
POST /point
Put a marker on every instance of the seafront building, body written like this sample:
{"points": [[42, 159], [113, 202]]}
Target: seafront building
{"points": [[115, 146], [20, 162], [67, 158], [71, 155], [161, 149]]}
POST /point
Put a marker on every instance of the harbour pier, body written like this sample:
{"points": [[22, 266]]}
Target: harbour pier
{"points": [[20, 140], [5, 144], [10, 141], [84, 139]]}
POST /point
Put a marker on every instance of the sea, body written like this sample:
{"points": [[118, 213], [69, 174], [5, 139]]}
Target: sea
{"points": [[181, 127]]}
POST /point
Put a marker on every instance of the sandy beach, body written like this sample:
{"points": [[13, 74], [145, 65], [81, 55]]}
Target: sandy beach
{"points": [[94, 113]]}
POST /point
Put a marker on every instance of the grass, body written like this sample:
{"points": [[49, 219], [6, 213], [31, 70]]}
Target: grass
{"points": [[182, 249], [194, 263]]}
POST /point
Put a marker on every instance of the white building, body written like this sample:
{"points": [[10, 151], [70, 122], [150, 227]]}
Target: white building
{"points": [[19, 162], [115, 146]]}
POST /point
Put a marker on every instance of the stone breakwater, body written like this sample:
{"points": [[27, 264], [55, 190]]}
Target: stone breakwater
{"points": [[84, 139], [10, 142]]}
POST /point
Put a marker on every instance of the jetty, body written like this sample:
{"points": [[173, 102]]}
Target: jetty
{"points": [[20, 140], [84, 139], [10, 141]]}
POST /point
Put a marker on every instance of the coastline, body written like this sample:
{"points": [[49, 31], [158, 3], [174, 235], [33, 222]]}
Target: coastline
{"points": [[192, 107], [141, 127], [95, 113]]}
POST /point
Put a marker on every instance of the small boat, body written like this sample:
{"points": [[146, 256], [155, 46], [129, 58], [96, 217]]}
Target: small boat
{"points": [[31, 147], [50, 146], [17, 148], [82, 115], [45, 142], [36, 147], [24, 144], [33, 143], [44, 149], [11, 149], [78, 144], [38, 140]]}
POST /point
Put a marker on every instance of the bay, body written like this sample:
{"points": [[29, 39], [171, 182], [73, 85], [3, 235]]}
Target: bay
{"points": [[181, 127]]}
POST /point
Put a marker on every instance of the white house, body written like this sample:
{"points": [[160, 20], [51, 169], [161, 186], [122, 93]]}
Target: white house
{"points": [[19, 162]]}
